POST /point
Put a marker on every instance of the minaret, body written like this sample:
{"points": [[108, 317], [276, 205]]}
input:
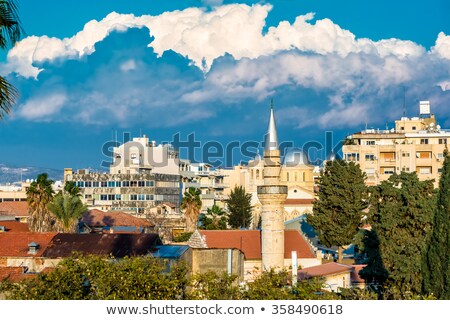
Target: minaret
{"points": [[272, 196]]}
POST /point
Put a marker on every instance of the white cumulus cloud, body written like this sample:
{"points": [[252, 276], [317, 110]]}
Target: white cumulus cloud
{"points": [[42, 108], [203, 36]]}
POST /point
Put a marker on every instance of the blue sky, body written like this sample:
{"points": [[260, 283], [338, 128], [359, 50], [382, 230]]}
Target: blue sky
{"points": [[86, 69]]}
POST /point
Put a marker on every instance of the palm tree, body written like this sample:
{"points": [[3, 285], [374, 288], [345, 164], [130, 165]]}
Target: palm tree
{"points": [[39, 194], [67, 209], [191, 204], [71, 189], [10, 32], [214, 219]]}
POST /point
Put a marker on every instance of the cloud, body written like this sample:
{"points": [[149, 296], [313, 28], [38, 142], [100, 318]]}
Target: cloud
{"points": [[442, 47], [203, 36], [42, 108]]}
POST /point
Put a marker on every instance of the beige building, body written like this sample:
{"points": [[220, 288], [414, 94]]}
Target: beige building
{"points": [[295, 172], [414, 145]]}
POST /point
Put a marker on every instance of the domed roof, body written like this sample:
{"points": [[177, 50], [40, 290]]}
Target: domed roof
{"points": [[257, 157], [295, 157]]}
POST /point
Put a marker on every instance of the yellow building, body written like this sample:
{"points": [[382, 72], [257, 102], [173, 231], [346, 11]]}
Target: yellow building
{"points": [[415, 145], [295, 172]]}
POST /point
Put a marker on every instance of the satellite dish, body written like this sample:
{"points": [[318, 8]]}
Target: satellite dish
{"points": [[392, 130]]}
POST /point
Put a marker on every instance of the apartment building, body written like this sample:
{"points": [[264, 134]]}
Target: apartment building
{"points": [[415, 144]]}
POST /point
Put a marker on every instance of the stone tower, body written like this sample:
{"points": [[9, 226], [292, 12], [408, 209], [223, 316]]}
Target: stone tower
{"points": [[272, 196]]}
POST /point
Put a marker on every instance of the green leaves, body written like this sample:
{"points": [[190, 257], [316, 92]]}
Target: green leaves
{"points": [[342, 197], [68, 210], [239, 208], [214, 219], [191, 204]]}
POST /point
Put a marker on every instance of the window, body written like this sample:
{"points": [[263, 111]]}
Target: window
{"points": [[423, 155], [149, 183], [352, 156], [149, 197], [443, 141], [405, 154], [103, 197], [95, 184], [440, 156], [370, 143], [118, 183], [370, 157], [257, 173], [125, 183], [405, 169], [388, 156], [141, 183], [141, 197], [304, 176], [370, 171], [80, 184], [388, 170], [111, 184], [287, 176], [111, 197], [133, 197], [104, 184], [402, 128], [423, 141], [414, 128], [118, 197], [440, 170], [88, 184], [424, 170], [133, 183]]}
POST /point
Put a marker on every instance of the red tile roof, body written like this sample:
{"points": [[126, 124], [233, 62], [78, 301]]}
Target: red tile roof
{"points": [[249, 242], [14, 274], [15, 244], [14, 226], [299, 202], [356, 278], [14, 208], [324, 270], [98, 218]]}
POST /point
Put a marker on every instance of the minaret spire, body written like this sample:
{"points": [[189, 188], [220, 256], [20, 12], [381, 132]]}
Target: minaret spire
{"points": [[271, 138]]}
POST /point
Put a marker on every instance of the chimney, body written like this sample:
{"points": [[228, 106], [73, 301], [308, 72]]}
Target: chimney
{"points": [[33, 248]]}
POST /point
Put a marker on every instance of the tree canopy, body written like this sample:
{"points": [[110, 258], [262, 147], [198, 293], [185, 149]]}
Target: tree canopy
{"points": [[338, 209], [191, 204], [214, 219], [39, 195], [239, 208]]}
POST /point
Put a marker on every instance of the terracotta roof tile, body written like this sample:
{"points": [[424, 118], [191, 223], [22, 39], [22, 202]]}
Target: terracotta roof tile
{"points": [[118, 245], [98, 218], [324, 270], [356, 278], [15, 244], [299, 202], [14, 226], [249, 242], [14, 208], [14, 274]]}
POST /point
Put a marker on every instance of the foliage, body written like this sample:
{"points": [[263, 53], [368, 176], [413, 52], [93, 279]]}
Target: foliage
{"points": [[401, 215], [10, 32], [185, 236], [68, 210], [191, 204], [213, 286], [357, 294], [39, 195], [239, 208], [214, 219], [338, 209], [97, 278], [437, 258], [71, 189]]}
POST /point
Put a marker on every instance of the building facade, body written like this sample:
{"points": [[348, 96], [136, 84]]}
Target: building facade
{"points": [[414, 145]]}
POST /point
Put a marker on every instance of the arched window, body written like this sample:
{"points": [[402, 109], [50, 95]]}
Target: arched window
{"points": [[257, 173], [287, 176], [304, 176], [295, 175]]}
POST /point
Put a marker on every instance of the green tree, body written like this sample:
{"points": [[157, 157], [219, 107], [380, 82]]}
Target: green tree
{"points": [[338, 209], [71, 189], [214, 219], [239, 208], [67, 209], [213, 286], [401, 215], [99, 278], [39, 195], [191, 204], [10, 32], [437, 259]]}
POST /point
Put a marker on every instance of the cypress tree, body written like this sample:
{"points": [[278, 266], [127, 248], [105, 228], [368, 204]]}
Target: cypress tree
{"points": [[239, 208], [338, 210], [436, 266]]}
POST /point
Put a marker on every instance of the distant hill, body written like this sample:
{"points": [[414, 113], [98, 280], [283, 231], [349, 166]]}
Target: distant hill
{"points": [[12, 174]]}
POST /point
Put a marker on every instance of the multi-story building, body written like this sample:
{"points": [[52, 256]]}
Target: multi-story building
{"points": [[210, 182], [414, 145]]}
